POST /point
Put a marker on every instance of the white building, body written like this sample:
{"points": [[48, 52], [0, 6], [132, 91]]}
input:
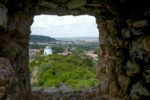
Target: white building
{"points": [[47, 50]]}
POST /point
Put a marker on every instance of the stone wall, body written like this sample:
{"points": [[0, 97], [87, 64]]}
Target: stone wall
{"points": [[65, 94], [124, 55], [124, 59], [15, 20]]}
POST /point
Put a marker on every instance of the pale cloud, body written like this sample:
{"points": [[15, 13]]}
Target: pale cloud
{"points": [[65, 26]]}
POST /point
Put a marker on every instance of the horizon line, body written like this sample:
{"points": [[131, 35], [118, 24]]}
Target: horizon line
{"points": [[68, 37]]}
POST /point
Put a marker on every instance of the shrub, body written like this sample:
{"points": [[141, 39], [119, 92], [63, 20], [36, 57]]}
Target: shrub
{"points": [[74, 70]]}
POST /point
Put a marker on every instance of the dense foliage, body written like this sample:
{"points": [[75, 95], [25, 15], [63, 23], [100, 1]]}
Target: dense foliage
{"points": [[37, 46], [74, 70], [41, 39]]}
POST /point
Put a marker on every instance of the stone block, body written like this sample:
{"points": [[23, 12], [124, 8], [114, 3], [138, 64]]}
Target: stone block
{"points": [[73, 4], [6, 71], [2, 92], [140, 50], [140, 23], [49, 4], [137, 32], [65, 89], [126, 33], [138, 91], [3, 16], [132, 68], [7, 80], [59, 1], [146, 75], [124, 82]]}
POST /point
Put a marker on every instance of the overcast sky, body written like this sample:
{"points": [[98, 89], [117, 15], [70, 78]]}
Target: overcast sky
{"points": [[65, 26]]}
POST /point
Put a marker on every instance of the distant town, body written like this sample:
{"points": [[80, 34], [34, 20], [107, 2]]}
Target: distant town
{"points": [[44, 45]]}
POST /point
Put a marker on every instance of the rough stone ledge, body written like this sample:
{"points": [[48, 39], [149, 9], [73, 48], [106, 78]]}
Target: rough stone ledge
{"points": [[58, 94]]}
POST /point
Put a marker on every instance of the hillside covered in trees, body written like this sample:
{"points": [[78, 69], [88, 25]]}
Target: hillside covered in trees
{"points": [[76, 71], [41, 39]]}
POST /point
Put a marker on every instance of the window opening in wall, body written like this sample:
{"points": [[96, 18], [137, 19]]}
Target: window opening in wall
{"points": [[63, 51]]}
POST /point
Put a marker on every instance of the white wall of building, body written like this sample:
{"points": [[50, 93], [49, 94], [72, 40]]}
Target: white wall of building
{"points": [[48, 51]]}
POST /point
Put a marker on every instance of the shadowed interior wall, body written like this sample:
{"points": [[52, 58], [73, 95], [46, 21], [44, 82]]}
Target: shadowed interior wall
{"points": [[124, 55], [16, 16]]}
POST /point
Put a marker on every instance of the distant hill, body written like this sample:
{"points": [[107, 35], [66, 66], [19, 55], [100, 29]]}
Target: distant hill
{"points": [[86, 39], [41, 39]]}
